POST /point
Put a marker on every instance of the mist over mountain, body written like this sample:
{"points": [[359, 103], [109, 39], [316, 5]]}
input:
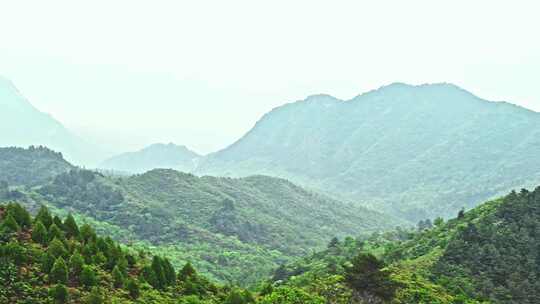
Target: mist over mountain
{"points": [[22, 125], [164, 156], [413, 151]]}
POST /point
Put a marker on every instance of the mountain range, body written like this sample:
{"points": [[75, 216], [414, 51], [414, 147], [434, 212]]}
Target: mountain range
{"points": [[22, 125], [156, 156], [412, 151]]}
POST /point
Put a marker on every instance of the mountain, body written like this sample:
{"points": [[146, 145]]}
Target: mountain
{"points": [[486, 255], [163, 156], [32, 166], [232, 229], [415, 151], [22, 125]]}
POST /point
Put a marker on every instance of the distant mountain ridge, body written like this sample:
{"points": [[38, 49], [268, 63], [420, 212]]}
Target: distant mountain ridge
{"points": [[22, 125], [163, 156], [415, 151]]}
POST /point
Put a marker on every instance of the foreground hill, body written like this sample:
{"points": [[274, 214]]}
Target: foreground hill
{"points": [[32, 166], [486, 255], [22, 125], [229, 227], [49, 260], [416, 151], [156, 156]]}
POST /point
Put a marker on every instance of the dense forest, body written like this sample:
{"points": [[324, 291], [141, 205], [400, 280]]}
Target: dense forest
{"points": [[486, 255], [232, 229]]}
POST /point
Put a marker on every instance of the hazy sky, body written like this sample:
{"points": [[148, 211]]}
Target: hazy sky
{"points": [[201, 73]]}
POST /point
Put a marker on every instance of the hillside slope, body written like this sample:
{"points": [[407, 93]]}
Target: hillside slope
{"points": [[486, 255], [416, 151], [229, 227], [32, 166], [156, 156]]}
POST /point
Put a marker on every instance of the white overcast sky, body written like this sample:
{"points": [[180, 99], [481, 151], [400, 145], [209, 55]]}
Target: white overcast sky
{"points": [[129, 73]]}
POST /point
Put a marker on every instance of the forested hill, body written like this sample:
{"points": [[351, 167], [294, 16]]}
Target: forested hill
{"points": [[233, 229], [165, 156], [415, 151], [45, 259], [32, 166], [487, 255]]}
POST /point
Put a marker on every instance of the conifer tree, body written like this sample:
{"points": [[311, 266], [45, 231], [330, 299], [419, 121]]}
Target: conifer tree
{"points": [[10, 224], [59, 272], [118, 277], [60, 294], [39, 233], [157, 267], [55, 232], [20, 214], [186, 272], [70, 227], [56, 248], [44, 216], [76, 263], [47, 262], [88, 276], [94, 297], [58, 222], [168, 272], [87, 233], [133, 288]]}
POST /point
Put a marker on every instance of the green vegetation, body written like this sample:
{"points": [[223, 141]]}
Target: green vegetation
{"points": [[29, 167], [119, 275], [486, 255], [233, 230], [413, 151]]}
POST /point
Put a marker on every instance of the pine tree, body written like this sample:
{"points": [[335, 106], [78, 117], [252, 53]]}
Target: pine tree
{"points": [[44, 216], [94, 297], [47, 262], [118, 277], [168, 272], [133, 288], [56, 248], [76, 263], [87, 233], [59, 272], [55, 232], [39, 233], [88, 276], [20, 214], [10, 224], [58, 222], [70, 227], [60, 294], [186, 272], [157, 267]]}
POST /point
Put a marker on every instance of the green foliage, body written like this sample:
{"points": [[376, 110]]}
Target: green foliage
{"points": [[291, 295], [39, 233], [55, 233], [70, 227], [132, 288], [118, 277], [94, 297], [30, 167], [59, 272], [9, 224], [88, 276], [44, 216], [76, 264], [367, 277], [56, 248], [60, 294], [19, 214]]}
